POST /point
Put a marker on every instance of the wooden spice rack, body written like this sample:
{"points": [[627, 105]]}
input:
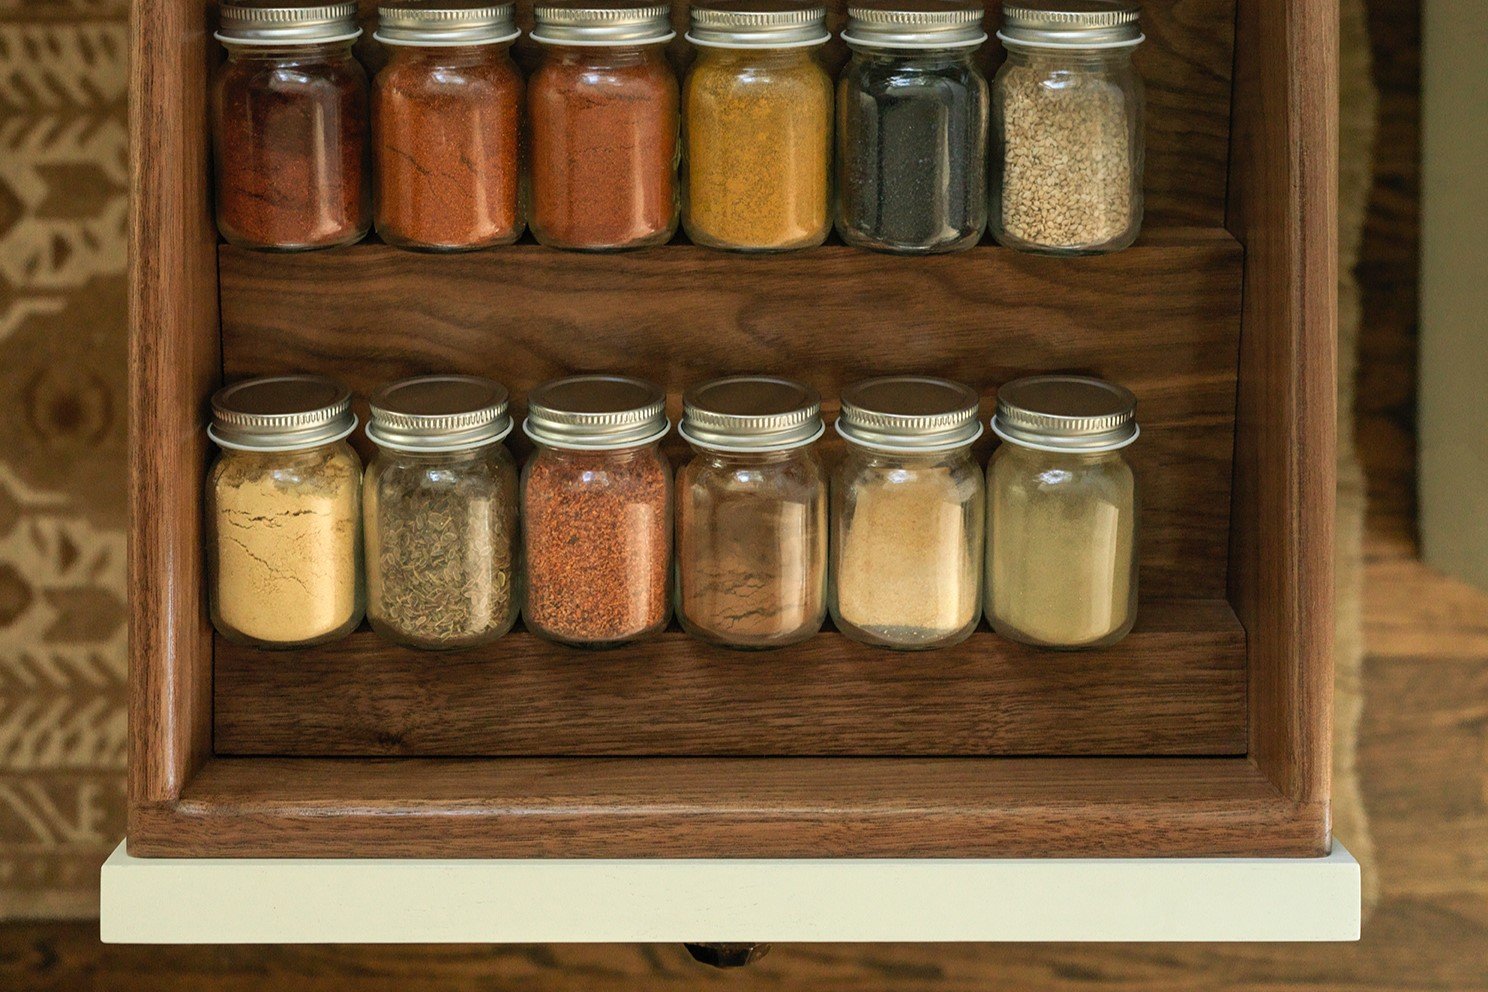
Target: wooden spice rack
{"points": [[1205, 733]]}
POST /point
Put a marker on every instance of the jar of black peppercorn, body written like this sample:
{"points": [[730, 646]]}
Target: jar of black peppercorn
{"points": [[596, 511], [912, 128], [440, 505], [290, 121]]}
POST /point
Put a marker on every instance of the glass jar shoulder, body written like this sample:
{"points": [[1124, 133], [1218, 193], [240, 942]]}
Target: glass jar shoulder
{"points": [[563, 470], [956, 470], [1106, 475], [795, 475], [326, 467], [439, 73], [303, 73], [618, 72], [488, 468], [900, 75], [769, 77]]}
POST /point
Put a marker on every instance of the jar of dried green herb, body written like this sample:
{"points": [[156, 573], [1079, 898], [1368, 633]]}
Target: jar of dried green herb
{"points": [[440, 503]]}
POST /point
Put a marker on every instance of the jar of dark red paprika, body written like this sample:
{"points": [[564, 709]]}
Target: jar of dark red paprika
{"points": [[445, 112], [604, 111], [290, 127], [596, 511]]}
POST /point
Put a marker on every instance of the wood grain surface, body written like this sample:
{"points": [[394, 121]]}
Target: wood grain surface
{"points": [[1284, 210], [680, 315], [1175, 686], [732, 807], [174, 362]]}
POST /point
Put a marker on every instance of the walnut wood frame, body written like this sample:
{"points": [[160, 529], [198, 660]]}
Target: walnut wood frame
{"points": [[1260, 788]]}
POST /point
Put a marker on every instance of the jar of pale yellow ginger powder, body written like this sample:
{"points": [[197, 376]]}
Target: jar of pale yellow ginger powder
{"points": [[907, 514], [1062, 513], [284, 543]]}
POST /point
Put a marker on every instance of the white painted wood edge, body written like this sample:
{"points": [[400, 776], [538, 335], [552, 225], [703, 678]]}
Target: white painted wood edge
{"points": [[302, 901]]}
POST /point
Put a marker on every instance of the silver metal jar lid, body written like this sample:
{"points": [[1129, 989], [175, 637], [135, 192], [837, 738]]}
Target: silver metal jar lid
{"points": [[596, 412], [914, 24], [1072, 23], [281, 413], [286, 22], [445, 22], [910, 413], [602, 22], [758, 24], [751, 413], [1066, 413], [439, 413]]}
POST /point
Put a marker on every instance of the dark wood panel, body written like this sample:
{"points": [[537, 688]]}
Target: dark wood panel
{"points": [[1162, 318], [1175, 686], [731, 807], [1185, 66], [173, 363], [1285, 211]]}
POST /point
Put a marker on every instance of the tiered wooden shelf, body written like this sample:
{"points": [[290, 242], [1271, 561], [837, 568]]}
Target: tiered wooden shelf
{"points": [[1203, 734]]}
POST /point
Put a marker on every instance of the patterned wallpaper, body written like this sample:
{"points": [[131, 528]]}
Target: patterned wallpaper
{"points": [[63, 209]]}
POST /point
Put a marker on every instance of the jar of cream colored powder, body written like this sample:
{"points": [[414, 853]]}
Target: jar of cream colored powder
{"points": [[284, 543]]}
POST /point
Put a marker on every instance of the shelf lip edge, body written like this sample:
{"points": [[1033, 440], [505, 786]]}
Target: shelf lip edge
{"points": [[396, 900]]}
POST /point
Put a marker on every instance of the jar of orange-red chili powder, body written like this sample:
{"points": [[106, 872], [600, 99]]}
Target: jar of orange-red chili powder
{"points": [[445, 112]]}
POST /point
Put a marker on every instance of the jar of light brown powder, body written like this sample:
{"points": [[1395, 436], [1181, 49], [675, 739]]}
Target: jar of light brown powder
{"points": [[284, 547]]}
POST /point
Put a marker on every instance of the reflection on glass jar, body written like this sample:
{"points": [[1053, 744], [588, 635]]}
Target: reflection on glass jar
{"points": [[907, 514], [284, 549], [289, 109], [752, 514], [1067, 143], [440, 507], [596, 511], [1062, 513]]}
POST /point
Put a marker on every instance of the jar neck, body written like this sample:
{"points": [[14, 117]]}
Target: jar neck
{"points": [[918, 56], [446, 55], [604, 56], [1068, 58], [1070, 456], [318, 52], [458, 456], [756, 57], [598, 455], [910, 456], [284, 456], [716, 457]]}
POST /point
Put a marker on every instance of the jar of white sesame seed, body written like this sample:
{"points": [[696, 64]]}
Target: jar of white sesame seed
{"points": [[1067, 109]]}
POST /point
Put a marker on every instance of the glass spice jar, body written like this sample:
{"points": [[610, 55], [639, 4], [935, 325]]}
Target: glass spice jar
{"points": [[440, 511], [1067, 140], [284, 538], [1062, 513], [752, 514], [597, 511], [290, 126], [912, 128], [757, 127], [445, 112], [603, 106], [908, 509]]}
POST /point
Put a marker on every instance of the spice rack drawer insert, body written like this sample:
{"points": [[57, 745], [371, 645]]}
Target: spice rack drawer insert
{"points": [[1175, 686]]}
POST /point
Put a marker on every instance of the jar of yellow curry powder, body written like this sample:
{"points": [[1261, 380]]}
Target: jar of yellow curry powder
{"points": [[757, 125]]}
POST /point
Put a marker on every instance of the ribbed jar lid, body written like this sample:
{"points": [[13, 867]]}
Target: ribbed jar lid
{"points": [[914, 24], [439, 413], [751, 413], [1066, 412], [758, 24], [445, 22], [287, 22], [281, 413], [910, 413], [602, 22], [1072, 23], [596, 412]]}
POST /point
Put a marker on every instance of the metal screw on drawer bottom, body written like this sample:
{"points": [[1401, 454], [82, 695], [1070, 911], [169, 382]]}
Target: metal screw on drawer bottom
{"points": [[727, 955]]}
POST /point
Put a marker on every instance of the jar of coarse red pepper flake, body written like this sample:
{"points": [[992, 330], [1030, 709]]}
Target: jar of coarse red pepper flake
{"points": [[290, 118], [445, 115], [596, 511]]}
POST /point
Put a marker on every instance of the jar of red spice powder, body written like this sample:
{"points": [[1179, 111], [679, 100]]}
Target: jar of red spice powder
{"points": [[596, 511], [445, 112], [290, 126], [603, 106]]}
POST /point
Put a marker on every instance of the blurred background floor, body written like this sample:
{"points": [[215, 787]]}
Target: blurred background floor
{"points": [[1420, 746]]}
